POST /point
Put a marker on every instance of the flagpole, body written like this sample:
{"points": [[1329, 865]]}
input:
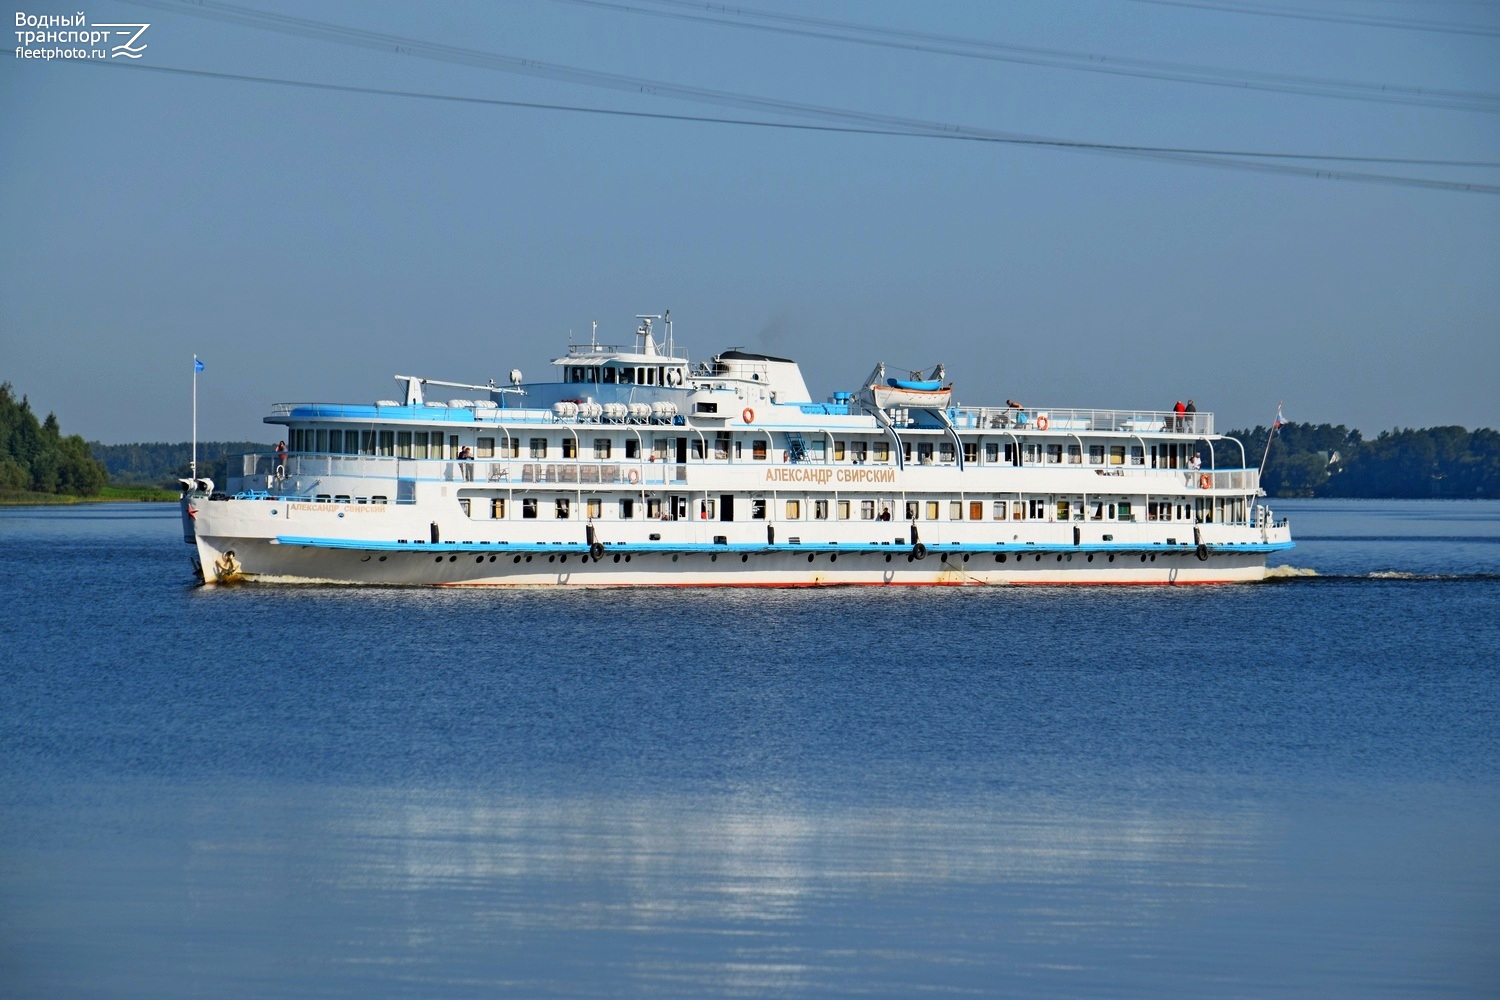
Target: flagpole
{"points": [[1275, 426], [194, 464]]}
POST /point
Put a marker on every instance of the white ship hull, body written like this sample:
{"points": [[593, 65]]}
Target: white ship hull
{"points": [[638, 469]]}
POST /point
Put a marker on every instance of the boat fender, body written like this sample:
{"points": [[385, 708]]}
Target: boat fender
{"points": [[596, 550], [634, 477], [1041, 422], [1205, 482], [1202, 552], [919, 550], [747, 415]]}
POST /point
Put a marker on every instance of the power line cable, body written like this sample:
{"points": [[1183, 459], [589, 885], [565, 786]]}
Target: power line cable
{"points": [[1232, 159], [1367, 20], [799, 25]]}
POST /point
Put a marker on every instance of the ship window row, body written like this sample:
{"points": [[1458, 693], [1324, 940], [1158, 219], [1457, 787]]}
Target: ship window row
{"points": [[679, 507], [438, 445]]}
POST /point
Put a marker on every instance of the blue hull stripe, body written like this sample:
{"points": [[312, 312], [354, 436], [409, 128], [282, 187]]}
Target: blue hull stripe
{"points": [[810, 548]]}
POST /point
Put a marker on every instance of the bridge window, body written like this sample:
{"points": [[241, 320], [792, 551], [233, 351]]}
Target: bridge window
{"points": [[403, 444], [387, 443]]}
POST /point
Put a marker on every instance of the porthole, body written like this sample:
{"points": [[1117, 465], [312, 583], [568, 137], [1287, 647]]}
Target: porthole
{"points": [[714, 557], [552, 558], [809, 557], [1000, 558], [518, 559], [479, 559], [674, 557], [438, 559], [1059, 558], [1143, 558], [1153, 557], [617, 557], [452, 558], [745, 557], [966, 557], [627, 559], [834, 557], [887, 557], [1038, 557], [382, 558], [562, 559], [1091, 557], [492, 558], [1111, 557], [528, 559]]}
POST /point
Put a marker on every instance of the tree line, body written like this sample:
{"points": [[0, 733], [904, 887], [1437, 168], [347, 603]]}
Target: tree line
{"points": [[1330, 460], [36, 458], [163, 463]]}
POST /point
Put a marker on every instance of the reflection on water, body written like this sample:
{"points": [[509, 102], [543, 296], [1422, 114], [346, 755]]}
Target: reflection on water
{"points": [[329, 892]]}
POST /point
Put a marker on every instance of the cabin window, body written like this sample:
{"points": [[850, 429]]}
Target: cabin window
{"points": [[820, 510], [1096, 454], [627, 508], [1010, 453], [759, 451], [758, 509], [595, 508], [1054, 454], [867, 510], [632, 448], [739, 450], [838, 451], [484, 447], [697, 449], [1075, 454], [659, 450], [463, 505], [367, 442], [721, 446], [818, 450], [911, 510], [564, 508], [1122, 510], [924, 453], [538, 447], [706, 510], [335, 442], [1137, 455], [1062, 510], [971, 451], [946, 451], [906, 450], [570, 447], [403, 444], [859, 451], [1097, 514], [843, 510], [528, 508], [388, 443], [497, 508], [1117, 454], [321, 441], [601, 447], [419, 444], [882, 451], [794, 510], [932, 510], [1038, 509], [999, 510], [992, 451], [976, 510], [1033, 454], [955, 510], [653, 508]]}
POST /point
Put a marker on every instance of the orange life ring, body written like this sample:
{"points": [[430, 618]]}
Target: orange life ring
{"points": [[1205, 482], [748, 415], [1041, 422], [633, 476]]}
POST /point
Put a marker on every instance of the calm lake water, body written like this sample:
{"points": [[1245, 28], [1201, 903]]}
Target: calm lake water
{"points": [[1290, 789]]}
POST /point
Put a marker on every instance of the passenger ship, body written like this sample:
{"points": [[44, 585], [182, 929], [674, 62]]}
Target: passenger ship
{"points": [[639, 467]]}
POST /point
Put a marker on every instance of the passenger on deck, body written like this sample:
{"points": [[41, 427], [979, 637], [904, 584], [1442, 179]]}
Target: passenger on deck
{"points": [[465, 454], [1178, 411], [885, 513]]}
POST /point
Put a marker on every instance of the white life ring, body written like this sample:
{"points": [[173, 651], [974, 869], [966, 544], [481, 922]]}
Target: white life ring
{"points": [[633, 476], [1041, 422], [748, 415]]}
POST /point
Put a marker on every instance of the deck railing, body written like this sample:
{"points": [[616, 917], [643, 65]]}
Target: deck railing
{"points": [[1067, 419]]}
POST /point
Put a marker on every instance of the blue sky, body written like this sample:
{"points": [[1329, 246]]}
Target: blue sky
{"points": [[310, 244]]}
